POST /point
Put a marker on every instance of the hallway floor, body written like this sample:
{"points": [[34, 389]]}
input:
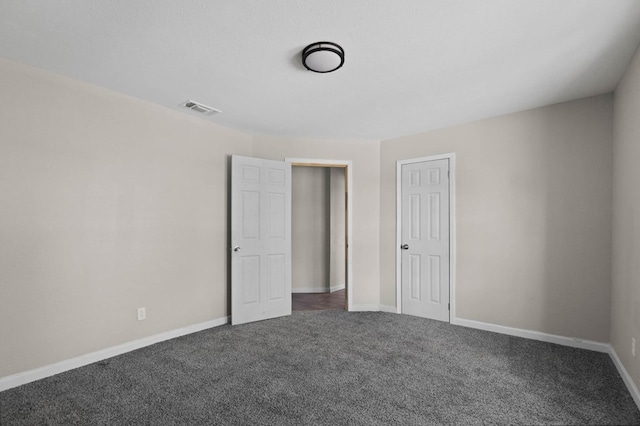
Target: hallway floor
{"points": [[318, 301]]}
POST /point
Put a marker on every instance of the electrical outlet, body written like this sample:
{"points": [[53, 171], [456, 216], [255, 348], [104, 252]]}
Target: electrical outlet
{"points": [[142, 314], [633, 347]]}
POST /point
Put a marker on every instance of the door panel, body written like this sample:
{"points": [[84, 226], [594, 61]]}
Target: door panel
{"points": [[425, 234], [260, 239], [415, 281], [250, 277]]}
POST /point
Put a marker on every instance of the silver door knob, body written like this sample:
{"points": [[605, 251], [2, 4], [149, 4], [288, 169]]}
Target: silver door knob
{"points": [[405, 247], [236, 248]]}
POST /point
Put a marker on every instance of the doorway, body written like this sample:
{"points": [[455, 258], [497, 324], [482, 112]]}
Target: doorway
{"points": [[321, 227]]}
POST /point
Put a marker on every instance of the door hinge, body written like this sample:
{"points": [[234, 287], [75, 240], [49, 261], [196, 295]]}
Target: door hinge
{"points": [[448, 306]]}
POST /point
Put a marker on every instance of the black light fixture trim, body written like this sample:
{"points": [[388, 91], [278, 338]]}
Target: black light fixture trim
{"points": [[320, 46]]}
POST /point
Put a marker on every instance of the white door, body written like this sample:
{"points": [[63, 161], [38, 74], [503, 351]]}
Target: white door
{"points": [[425, 239], [260, 239]]}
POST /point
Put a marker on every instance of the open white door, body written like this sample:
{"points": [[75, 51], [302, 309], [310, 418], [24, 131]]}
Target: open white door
{"points": [[260, 239], [425, 239]]}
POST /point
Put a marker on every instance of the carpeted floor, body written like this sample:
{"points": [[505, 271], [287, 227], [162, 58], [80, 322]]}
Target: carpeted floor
{"points": [[333, 368]]}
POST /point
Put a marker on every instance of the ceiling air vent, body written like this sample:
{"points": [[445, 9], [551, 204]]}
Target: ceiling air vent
{"points": [[202, 109]]}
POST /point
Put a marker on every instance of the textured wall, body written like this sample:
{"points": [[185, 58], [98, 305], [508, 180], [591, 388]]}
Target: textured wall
{"points": [[625, 307], [533, 216]]}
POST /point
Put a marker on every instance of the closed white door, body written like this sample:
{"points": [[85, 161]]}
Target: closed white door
{"points": [[425, 239], [260, 239]]}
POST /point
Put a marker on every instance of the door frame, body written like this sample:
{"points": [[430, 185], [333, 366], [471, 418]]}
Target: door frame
{"points": [[348, 175], [452, 228]]}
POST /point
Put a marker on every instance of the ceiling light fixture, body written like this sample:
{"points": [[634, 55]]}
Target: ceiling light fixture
{"points": [[323, 57]]}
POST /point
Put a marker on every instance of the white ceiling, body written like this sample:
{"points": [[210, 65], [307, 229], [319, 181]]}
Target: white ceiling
{"points": [[410, 65]]}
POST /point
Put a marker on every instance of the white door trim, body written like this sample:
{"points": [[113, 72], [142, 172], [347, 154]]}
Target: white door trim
{"points": [[452, 228], [348, 166]]}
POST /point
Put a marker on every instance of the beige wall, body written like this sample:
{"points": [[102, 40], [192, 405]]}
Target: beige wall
{"points": [[625, 307], [108, 204], [533, 216], [111, 203], [310, 229], [366, 199]]}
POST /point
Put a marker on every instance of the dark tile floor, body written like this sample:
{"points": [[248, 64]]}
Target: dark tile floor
{"points": [[318, 301]]}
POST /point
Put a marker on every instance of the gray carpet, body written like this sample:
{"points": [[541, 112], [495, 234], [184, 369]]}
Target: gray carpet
{"points": [[337, 368]]}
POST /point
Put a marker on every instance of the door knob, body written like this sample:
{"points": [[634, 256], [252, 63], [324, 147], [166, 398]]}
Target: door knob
{"points": [[236, 248], [405, 247]]}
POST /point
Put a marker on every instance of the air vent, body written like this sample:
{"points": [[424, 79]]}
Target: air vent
{"points": [[200, 108]]}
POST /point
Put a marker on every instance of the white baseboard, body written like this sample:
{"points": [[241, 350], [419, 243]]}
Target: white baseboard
{"points": [[373, 308], [560, 340], [534, 335], [626, 378], [319, 289], [22, 378], [510, 331], [25, 377], [389, 309], [337, 287], [365, 308]]}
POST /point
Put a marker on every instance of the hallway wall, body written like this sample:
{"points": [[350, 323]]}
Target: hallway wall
{"points": [[310, 229]]}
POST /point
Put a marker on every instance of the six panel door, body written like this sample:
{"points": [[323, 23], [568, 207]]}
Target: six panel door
{"points": [[260, 239], [425, 239]]}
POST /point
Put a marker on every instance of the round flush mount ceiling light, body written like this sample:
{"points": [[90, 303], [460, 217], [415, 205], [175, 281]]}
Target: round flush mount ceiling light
{"points": [[323, 57]]}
